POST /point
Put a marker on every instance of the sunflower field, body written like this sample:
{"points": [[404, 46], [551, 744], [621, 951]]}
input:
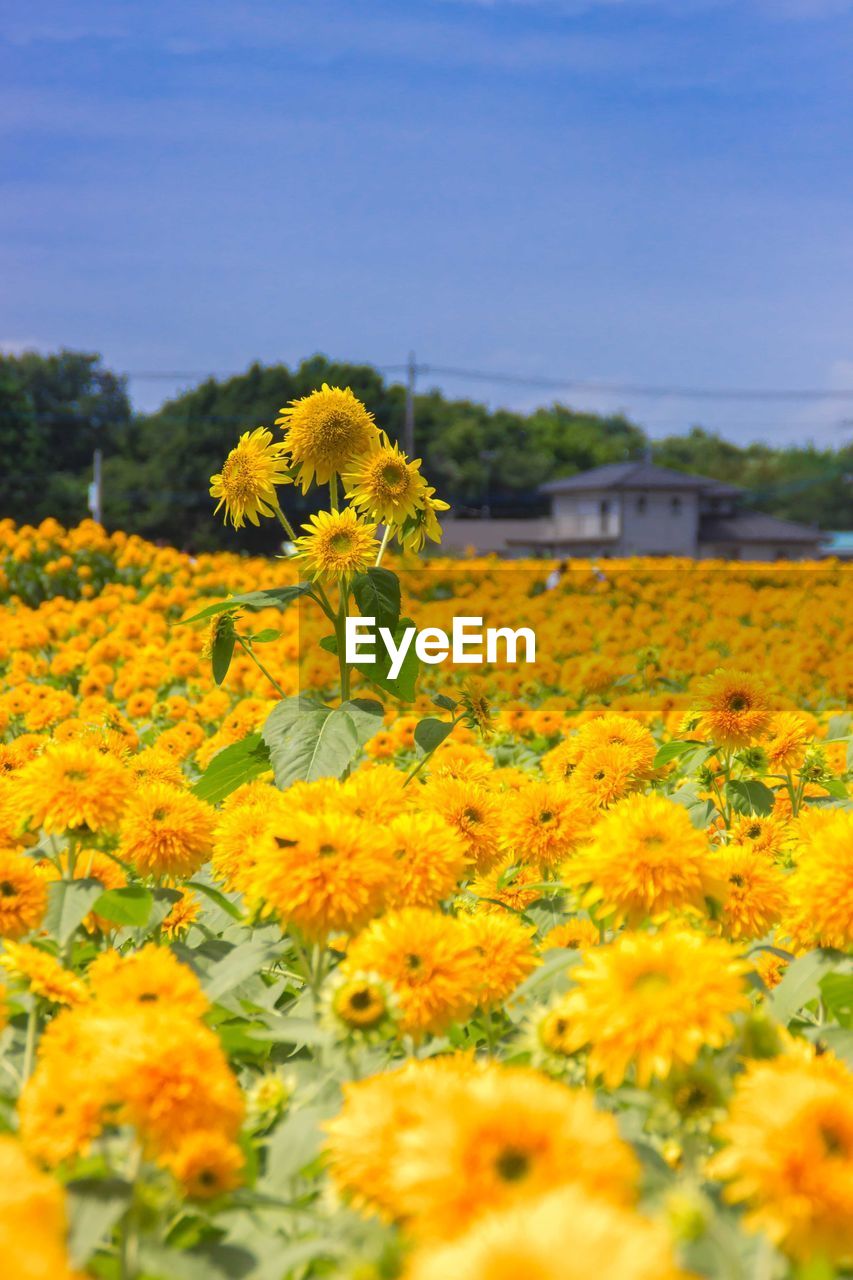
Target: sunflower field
{"points": [[311, 970]]}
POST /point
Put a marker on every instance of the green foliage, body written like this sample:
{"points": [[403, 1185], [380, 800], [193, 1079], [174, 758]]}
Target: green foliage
{"points": [[230, 768], [308, 740], [54, 410], [750, 796], [377, 594]]}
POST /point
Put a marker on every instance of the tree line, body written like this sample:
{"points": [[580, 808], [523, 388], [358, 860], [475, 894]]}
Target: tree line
{"points": [[56, 409]]}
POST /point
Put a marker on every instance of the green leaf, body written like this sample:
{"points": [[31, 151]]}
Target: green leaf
{"points": [[377, 594], [231, 767], [378, 673], [285, 714], [292, 1030], [275, 598], [430, 733], [839, 1040], [266, 636], [130, 906], [839, 726], [208, 1261], [290, 1256], [673, 751], [242, 962], [837, 992], [216, 896], [96, 1204], [700, 809], [68, 902], [316, 741], [447, 704], [800, 984], [223, 652], [550, 977], [750, 796], [293, 1144], [835, 787], [164, 900]]}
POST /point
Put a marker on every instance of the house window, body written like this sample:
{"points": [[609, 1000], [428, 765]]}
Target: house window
{"points": [[675, 505], [641, 505], [604, 510]]}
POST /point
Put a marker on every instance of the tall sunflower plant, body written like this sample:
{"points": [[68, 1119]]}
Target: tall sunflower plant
{"points": [[377, 496]]}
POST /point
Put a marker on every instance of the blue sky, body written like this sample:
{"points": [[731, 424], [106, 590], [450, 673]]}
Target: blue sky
{"points": [[641, 191]]}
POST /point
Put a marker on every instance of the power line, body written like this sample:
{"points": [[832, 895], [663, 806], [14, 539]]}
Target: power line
{"points": [[548, 383]]}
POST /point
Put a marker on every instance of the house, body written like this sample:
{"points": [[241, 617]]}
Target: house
{"points": [[638, 509]]}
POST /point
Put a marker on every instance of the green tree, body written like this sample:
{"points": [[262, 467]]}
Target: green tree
{"points": [[73, 406]]}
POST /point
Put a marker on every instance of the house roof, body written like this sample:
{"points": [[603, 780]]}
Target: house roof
{"points": [[635, 475], [755, 526]]}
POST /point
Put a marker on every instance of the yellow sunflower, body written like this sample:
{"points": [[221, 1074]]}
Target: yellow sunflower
{"points": [[73, 785], [145, 978], [23, 895], [575, 935], [614, 730], [42, 973], [166, 832], [507, 957], [246, 484], [361, 1004], [756, 893], [789, 1154], [429, 961], [566, 1235], [431, 858], [543, 823], [821, 887], [325, 430], [506, 885], [322, 872], [337, 544], [502, 1137], [423, 522], [384, 484], [207, 1164], [733, 708], [788, 736], [363, 1140], [473, 811], [653, 1001], [604, 774], [645, 859]]}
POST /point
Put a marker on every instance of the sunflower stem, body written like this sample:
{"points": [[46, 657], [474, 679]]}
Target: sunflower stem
{"points": [[285, 523], [250, 651], [413, 773], [340, 634], [129, 1242], [30, 1044], [386, 537]]}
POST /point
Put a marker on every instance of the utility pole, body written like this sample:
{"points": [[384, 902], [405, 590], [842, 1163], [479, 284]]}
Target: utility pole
{"points": [[96, 487], [409, 425]]}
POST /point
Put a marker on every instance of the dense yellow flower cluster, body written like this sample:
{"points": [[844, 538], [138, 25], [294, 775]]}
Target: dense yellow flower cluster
{"points": [[571, 994]]}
